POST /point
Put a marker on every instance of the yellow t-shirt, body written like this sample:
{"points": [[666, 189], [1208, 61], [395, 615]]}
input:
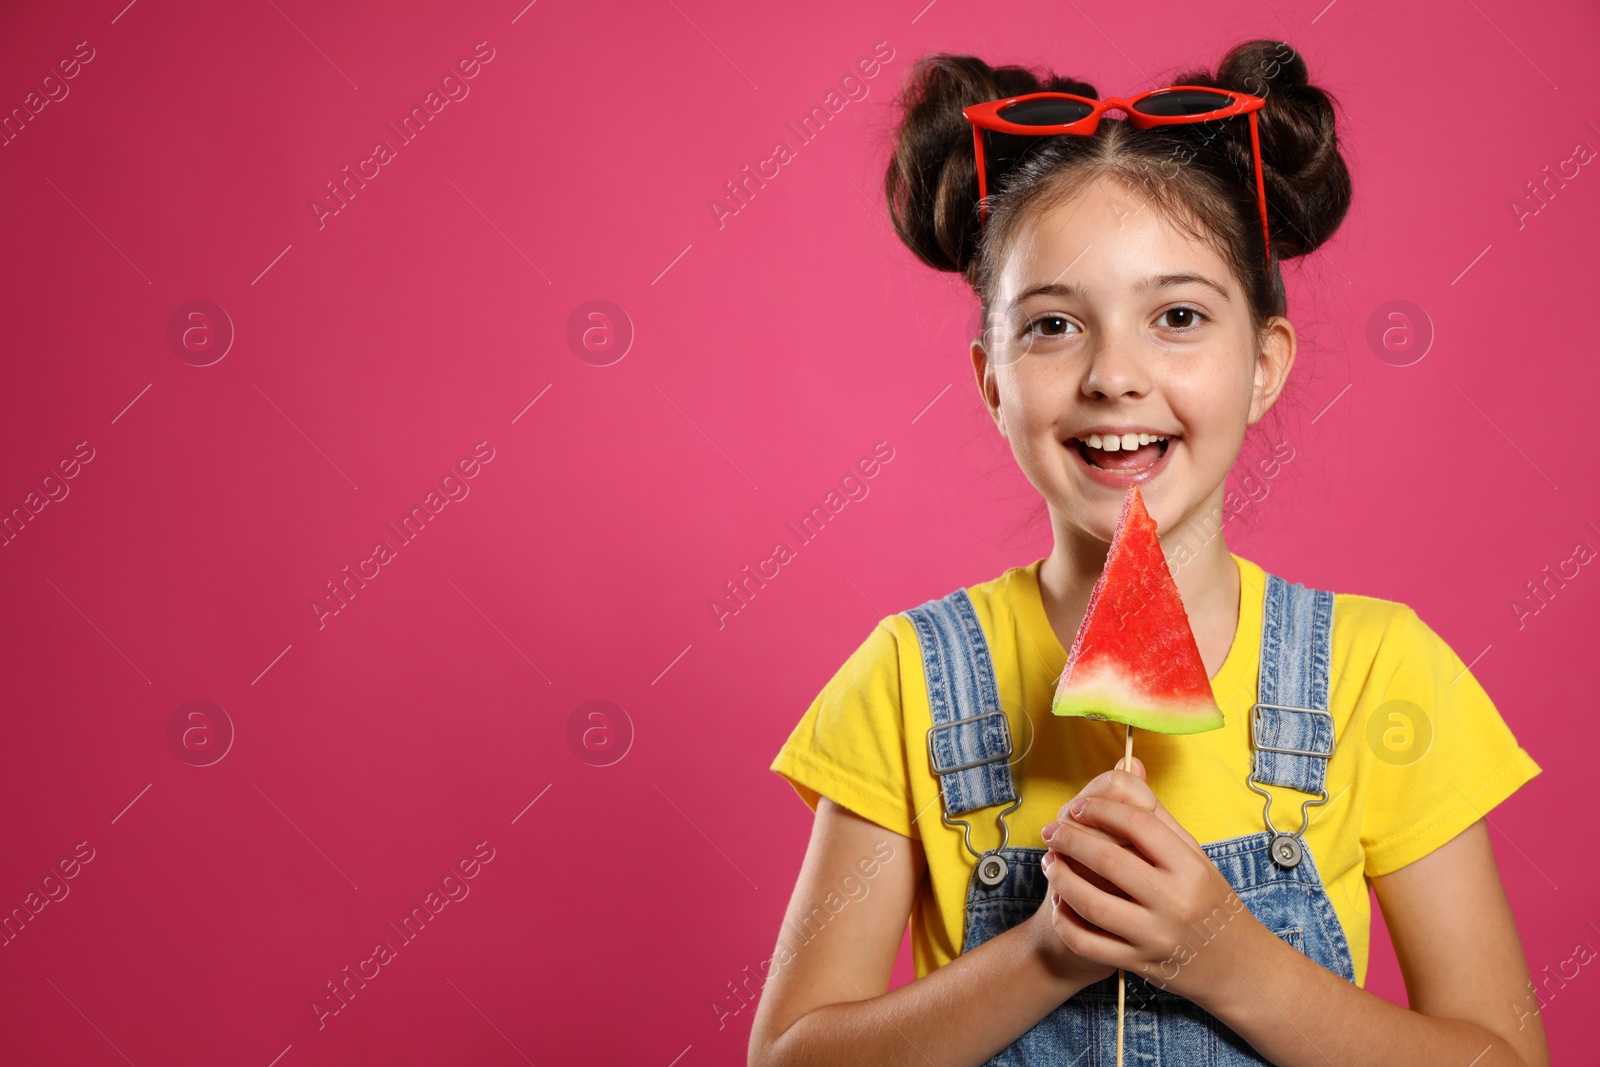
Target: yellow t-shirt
{"points": [[1421, 752]]}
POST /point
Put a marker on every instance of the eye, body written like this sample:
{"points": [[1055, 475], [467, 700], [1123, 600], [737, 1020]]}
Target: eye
{"points": [[1050, 324], [1185, 318]]}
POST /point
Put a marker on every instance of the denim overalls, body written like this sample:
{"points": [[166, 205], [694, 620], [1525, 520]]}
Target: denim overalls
{"points": [[1292, 736]]}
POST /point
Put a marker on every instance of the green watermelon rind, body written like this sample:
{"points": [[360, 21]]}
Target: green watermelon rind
{"points": [[1103, 693], [1180, 719]]}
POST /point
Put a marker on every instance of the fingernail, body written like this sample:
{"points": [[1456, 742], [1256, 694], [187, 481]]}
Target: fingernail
{"points": [[1044, 861], [1050, 829], [1075, 809]]}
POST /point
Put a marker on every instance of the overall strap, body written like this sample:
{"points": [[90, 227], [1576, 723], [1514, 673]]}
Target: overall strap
{"points": [[1291, 727], [969, 744]]}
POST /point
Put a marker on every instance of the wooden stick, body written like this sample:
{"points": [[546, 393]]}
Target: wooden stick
{"points": [[1122, 979]]}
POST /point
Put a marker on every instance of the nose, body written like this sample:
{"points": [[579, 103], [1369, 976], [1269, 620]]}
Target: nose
{"points": [[1116, 369]]}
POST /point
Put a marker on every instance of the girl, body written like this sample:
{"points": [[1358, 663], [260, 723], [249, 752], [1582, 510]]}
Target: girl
{"points": [[1135, 328]]}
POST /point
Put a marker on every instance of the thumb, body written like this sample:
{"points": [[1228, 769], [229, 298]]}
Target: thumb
{"points": [[1137, 766]]}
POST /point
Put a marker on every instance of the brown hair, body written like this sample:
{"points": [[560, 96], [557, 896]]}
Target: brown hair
{"points": [[931, 183]]}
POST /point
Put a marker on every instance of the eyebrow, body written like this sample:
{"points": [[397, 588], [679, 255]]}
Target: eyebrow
{"points": [[1159, 281]]}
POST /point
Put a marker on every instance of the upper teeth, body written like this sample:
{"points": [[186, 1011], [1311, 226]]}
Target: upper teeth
{"points": [[1115, 443]]}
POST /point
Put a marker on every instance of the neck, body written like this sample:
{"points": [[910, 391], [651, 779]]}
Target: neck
{"points": [[1202, 568]]}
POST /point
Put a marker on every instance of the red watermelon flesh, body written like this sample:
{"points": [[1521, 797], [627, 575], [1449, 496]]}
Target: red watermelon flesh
{"points": [[1135, 659]]}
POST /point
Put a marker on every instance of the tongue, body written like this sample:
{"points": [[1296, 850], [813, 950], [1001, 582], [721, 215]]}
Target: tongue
{"points": [[1124, 459]]}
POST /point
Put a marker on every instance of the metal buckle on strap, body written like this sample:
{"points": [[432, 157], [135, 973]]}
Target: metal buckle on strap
{"points": [[1286, 849], [1255, 714], [992, 867], [1005, 727]]}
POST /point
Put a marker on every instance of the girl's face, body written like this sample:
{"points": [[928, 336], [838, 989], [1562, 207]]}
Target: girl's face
{"points": [[1106, 320]]}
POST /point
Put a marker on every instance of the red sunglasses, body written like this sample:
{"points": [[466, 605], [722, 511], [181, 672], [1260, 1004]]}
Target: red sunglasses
{"points": [[1051, 114]]}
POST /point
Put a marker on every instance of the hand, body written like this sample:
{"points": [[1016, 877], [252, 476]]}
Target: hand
{"points": [[1138, 892], [1117, 784], [1074, 971]]}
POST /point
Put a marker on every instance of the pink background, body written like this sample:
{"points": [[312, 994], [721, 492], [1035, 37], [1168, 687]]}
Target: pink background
{"points": [[373, 352]]}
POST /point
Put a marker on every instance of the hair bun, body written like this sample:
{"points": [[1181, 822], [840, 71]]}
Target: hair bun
{"points": [[932, 183], [1307, 182], [932, 190]]}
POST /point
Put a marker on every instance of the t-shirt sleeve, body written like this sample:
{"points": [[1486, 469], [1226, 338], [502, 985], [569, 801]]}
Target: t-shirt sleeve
{"points": [[1442, 754], [850, 744]]}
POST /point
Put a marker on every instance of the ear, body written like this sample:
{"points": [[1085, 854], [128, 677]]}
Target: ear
{"points": [[1273, 361], [983, 368]]}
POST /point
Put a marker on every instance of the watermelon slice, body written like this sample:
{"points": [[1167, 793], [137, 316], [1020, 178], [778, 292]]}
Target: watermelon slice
{"points": [[1135, 659]]}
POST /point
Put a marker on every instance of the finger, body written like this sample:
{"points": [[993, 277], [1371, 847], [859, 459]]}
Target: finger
{"points": [[1064, 917], [1118, 785], [1048, 831], [1063, 911], [1136, 767], [1082, 937], [1086, 873], [1152, 835], [1147, 799], [1122, 867], [1177, 827], [1159, 810], [1131, 788], [1106, 916]]}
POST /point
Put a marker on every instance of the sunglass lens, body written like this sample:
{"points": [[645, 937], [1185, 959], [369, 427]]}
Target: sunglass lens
{"points": [[1048, 112], [1183, 102]]}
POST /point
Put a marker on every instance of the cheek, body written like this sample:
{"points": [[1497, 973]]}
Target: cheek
{"points": [[1033, 404], [1213, 404]]}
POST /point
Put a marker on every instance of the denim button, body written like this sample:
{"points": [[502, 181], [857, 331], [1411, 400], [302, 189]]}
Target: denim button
{"points": [[1286, 850], [992, 869]]}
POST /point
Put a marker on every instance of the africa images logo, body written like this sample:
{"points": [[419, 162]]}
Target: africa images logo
{"points": [[853, 486], [807, 128]]}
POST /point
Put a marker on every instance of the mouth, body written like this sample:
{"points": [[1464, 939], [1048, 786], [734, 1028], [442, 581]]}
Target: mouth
{"points": [[1120, 467]]}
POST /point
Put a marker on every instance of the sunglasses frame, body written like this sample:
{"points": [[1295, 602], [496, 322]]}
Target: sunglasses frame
{"points": [[986, 116]]}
